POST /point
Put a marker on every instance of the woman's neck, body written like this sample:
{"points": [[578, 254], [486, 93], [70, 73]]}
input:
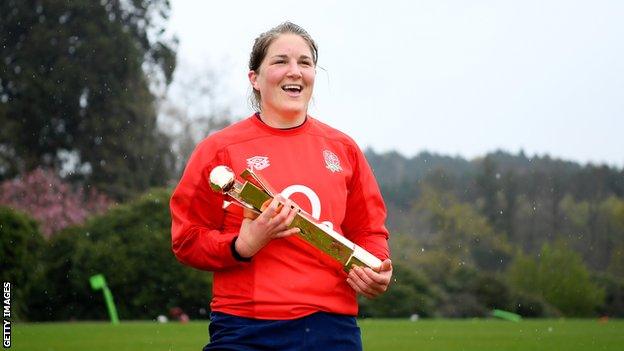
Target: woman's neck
{"points": [[282, 122]]}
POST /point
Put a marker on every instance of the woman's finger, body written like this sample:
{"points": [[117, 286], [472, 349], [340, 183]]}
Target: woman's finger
{"points": [[292, 214], [357, 289], [281, 213], [365, 288], [362, 274], [287, 232], [382, 279], [271, 210]]}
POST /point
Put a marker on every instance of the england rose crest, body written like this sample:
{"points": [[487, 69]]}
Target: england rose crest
{"points": [[332, 162]]}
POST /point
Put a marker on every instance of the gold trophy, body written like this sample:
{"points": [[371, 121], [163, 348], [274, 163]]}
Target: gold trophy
{"points": [[255, 191]]}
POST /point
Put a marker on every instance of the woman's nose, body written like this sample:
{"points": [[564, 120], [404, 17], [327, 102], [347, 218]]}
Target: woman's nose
{"points": [[294, 71]]}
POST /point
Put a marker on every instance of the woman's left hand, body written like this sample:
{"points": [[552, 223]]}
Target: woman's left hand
{"points": [[368, 282]]}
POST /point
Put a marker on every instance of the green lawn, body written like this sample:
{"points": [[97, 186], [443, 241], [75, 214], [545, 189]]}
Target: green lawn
{"points": [[386, 335]]}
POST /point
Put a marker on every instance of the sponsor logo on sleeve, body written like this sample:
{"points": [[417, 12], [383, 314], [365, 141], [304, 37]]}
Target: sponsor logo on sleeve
{"points": [[258, 162]]}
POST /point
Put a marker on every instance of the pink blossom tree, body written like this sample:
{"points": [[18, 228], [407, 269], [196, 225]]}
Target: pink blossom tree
{"points": [[53, 202]]}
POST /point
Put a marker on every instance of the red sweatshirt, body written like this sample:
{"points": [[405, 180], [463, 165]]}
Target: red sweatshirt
{"points": [[320, 169]]}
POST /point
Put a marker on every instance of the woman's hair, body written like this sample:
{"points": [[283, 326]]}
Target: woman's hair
{"points": [[261, 46]]}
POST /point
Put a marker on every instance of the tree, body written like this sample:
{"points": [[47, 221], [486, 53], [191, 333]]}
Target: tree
{"points": [[560, 277], [193, 109], [75, 90], [54, 203], [461, 232]]}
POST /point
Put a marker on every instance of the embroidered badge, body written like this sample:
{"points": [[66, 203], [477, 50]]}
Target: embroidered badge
{"points": [[258, 162], [332, 162]]}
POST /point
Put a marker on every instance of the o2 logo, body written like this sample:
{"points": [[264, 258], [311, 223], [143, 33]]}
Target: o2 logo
{"points": [[315, 201]]}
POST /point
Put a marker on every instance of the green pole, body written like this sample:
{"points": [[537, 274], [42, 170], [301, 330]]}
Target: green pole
{"points": [[110, 305], [509, 316], [98, 282]]}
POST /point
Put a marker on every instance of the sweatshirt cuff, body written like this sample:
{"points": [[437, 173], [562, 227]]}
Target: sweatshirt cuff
{"points": [[235, 253]]}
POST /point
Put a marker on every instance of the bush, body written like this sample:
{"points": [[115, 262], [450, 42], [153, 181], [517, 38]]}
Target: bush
{"points": [[409, 293], [491, 291], [461, 305], [473, 293], [613, 305], [533, 306], [131, 246], [20, 247]]}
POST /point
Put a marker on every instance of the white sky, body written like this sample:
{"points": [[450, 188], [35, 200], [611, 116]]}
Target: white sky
{"points": [[452, 77]]}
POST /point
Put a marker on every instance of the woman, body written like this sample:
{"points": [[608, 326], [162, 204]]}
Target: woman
{"points": [[270, 291]]}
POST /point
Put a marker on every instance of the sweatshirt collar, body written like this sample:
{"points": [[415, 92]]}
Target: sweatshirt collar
{"points": [[278, 131]]}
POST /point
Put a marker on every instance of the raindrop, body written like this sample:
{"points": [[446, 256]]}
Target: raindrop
{"points": [[64, 18]]}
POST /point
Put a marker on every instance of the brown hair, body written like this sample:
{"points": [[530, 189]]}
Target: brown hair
{"points": [[261, 46]]}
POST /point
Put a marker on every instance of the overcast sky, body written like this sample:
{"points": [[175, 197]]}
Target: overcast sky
{"points": [[452, 77]]}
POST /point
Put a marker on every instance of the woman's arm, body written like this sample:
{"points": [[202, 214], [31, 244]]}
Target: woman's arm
{"points": [[364, 224], [197, 215]]}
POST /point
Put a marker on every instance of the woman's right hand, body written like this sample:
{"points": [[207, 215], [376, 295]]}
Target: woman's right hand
{"points": [[271, 224]]}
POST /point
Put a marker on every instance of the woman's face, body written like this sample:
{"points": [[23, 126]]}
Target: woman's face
{"points": [[285, 78]]}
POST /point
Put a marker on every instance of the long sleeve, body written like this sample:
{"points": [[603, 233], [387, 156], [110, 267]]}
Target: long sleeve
{"points": [[197, 234], [365, 212]]}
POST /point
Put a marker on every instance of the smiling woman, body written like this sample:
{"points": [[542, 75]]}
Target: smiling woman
{"points": [[284, 81], [282, 68], [269, 290]]}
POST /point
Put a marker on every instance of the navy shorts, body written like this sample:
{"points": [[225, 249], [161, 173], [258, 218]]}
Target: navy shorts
{"points": [[318, 331]]}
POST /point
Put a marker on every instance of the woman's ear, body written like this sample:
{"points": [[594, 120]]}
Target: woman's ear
{"points": [[253, 77]]}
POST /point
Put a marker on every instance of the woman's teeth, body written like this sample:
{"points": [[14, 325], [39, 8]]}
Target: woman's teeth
{"points": [[291, 87]]}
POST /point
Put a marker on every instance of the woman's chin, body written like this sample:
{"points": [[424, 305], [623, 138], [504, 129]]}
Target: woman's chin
{"points": [[291, 110]]}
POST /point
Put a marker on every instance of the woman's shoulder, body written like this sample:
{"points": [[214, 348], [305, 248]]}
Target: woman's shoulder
{"points": [[329, 132], [228, 135]]}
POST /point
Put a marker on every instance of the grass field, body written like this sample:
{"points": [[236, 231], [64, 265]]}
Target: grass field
{"points": [[382, 335]]}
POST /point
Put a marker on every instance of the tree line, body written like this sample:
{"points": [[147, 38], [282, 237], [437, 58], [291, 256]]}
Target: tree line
{"points": [[528, 200], [545, 235]]}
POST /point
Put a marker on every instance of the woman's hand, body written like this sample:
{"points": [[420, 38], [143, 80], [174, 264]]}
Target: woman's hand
{"points": [[368, 282], [271, 224]]}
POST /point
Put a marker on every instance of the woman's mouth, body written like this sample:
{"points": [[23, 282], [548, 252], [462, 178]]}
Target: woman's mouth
{"points": [[292, 89]]}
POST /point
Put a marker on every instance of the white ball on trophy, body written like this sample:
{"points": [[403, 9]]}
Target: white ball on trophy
{"points": [[221, 179]]}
